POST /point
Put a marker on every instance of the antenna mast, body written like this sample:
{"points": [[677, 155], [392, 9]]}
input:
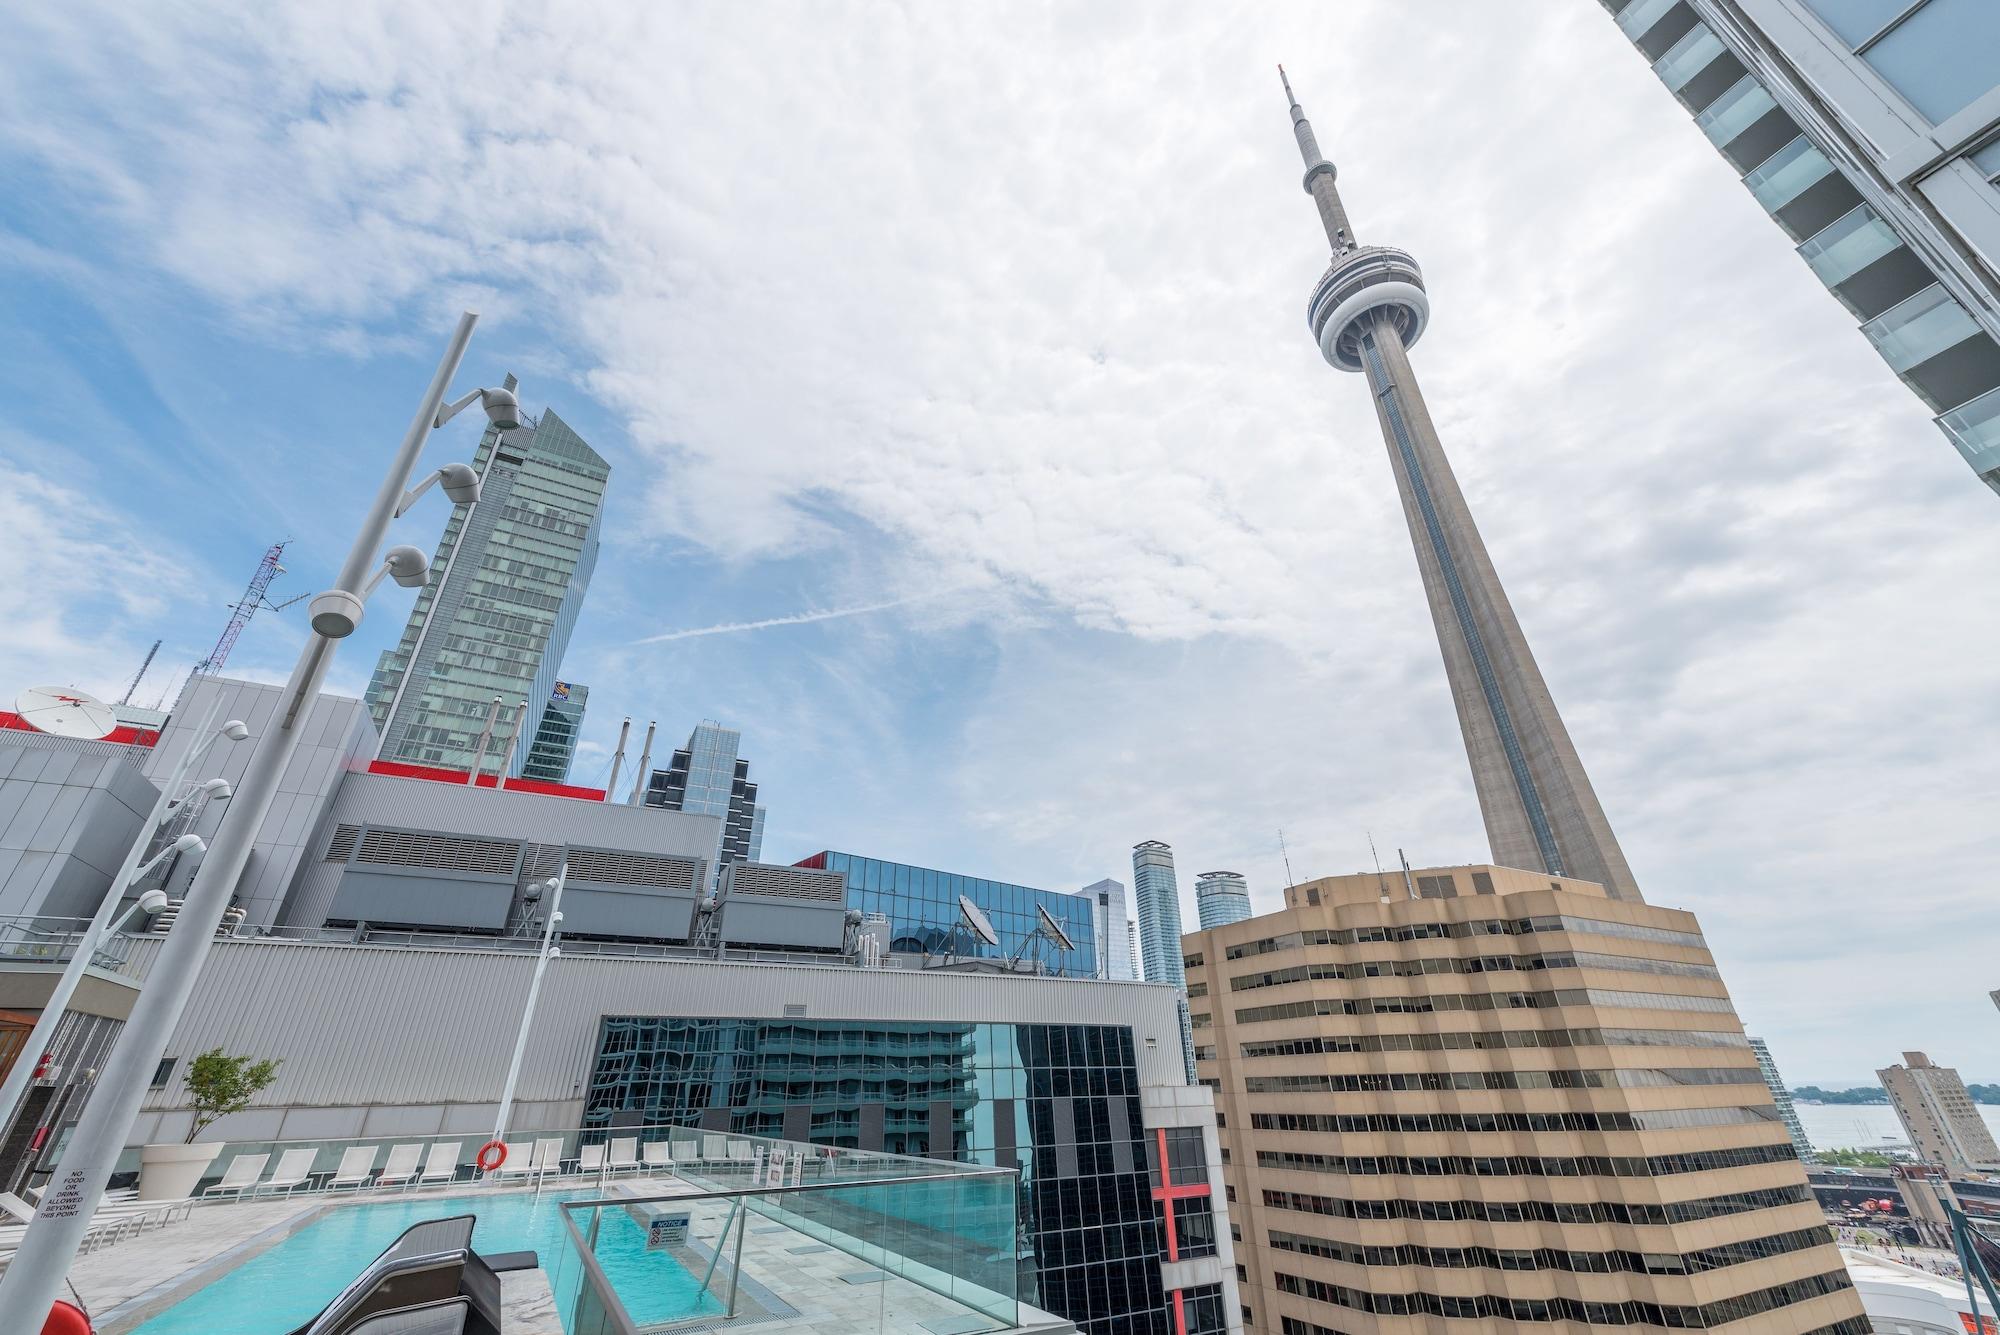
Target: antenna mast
{"points": [[1381, 881], [1286, 855], [246, 607], [140, 675]]}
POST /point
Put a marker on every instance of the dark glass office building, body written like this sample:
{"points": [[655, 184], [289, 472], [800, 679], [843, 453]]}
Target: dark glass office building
{"points": [[1104, 1201], [923, 912]]}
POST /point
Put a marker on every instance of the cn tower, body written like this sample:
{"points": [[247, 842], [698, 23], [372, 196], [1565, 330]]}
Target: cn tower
{"points": [[1367, 311]]}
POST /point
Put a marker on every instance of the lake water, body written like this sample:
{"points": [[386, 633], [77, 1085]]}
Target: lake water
{"points": [[1836, 1126]]}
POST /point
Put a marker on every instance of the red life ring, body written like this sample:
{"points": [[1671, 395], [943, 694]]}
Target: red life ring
{"points": [[66, 1319], [495, 1149]]}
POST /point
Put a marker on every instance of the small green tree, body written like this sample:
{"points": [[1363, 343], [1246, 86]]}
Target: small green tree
{"points": [[219, 1085]]}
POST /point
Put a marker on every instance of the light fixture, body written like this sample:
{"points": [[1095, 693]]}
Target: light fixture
{"points": [[503, 410], [461, 487]]}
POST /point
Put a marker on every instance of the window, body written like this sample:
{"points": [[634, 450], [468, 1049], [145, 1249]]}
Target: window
{"points": [[1848, 244], [164, 1072], [1787, 174], [1940, 58], [1194, 1227], [1638, 17], [1741, 107], [1919, 327]]}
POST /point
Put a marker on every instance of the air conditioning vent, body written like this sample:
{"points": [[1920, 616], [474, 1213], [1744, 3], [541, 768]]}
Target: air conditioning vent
{"points": [[607, 868], [442, 852], [341, 847], [757, 878]]}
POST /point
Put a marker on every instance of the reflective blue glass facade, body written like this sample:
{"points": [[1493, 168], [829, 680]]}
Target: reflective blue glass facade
{"points": [[922, 908], [1058, 1102], [1159, 898]]}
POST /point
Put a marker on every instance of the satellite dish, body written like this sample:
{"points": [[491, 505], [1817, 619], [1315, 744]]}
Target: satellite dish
{"points": [[1053, 929], [975, 918], [64, 711]]}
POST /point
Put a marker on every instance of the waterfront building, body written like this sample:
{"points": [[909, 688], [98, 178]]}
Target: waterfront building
{"points": [[1866, 131], [1114, 929], [710, 777], [1781, 1099], [1366, 312], [553, 746], [506, 585], [1221, 897], [1939, 1117], [1511, 1093], [1159, 904], [1514, 1100], [925, 918]]}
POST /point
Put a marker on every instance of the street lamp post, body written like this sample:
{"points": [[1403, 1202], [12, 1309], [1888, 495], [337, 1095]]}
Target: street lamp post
{"points": [[129, 871], [549, 951], [28, 1288]]}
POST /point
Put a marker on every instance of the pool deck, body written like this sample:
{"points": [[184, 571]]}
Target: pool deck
{"points": [[793, 1284]]}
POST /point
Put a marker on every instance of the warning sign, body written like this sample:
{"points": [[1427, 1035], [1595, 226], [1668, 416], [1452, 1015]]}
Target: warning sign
{"points": [[66, 1200], [666, 1230]]}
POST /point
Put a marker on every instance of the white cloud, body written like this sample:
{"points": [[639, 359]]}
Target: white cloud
{"points": [[1018, 294]]}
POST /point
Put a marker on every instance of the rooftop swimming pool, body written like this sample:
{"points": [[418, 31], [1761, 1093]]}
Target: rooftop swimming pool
{"points": [[286, 1286]]}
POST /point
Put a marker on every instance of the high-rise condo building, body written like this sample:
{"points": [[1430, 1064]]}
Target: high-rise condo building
{"points": [[1496, 1094], [1781, 1099], [554, 742], [506, 585], [1159, 903], [1865, 129], [709, 777], [1366, 312], [1939, 1116], [1516, 1100], [1221, 897], [1114, 929]]}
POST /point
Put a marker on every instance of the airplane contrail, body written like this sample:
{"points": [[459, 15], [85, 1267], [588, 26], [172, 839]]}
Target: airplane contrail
{"points": [[798, 619]]}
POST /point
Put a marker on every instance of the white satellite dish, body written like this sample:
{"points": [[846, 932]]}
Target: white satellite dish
{"points": [[1053, 929], [64, 711], [975, 917]]}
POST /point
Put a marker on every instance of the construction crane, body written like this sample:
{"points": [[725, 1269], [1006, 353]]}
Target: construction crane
{"points": [[246, 607], [140, 675]]}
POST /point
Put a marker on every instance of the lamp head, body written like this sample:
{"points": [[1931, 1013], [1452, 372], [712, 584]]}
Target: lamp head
{"points": [[408, 566], [460, 483], [218, 790], [190, 843], [152, 901], [235, 730], [555, 952], [556, 916], [503, 410]]}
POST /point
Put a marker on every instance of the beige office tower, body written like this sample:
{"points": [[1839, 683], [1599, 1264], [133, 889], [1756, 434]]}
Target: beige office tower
{"points": [[1938, 1114], [1481, 1099]]}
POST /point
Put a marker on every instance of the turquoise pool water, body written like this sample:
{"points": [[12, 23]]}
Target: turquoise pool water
{"points": [[286, 1286]]}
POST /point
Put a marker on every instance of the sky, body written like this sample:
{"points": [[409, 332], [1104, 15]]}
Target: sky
{"points": [[971, 455]]}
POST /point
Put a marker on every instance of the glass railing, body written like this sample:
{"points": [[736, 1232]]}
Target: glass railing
{"points": [[829, 1240]]}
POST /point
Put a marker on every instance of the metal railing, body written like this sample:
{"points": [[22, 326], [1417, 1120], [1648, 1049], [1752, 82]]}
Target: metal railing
{"points": [[54, 940]]}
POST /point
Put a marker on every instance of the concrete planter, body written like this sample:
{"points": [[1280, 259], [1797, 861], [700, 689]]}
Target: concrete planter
{"points": [[169, 1172]]}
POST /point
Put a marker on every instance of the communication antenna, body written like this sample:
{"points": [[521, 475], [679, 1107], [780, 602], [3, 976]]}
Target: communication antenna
{"points": [[247, 606], [1408, 884], [1286, 855], [1381, 881], [974, 917], [139, 676], [64, 711]]}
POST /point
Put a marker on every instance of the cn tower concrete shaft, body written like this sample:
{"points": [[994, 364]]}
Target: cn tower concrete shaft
{"points": [[1540, 810]]}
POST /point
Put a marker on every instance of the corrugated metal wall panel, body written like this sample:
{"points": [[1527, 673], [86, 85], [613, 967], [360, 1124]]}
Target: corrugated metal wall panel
{"points": [[399, 1025]]}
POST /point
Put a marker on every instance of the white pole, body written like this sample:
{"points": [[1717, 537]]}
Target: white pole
{"points": [[617, 761], [44, 1033], [528, 1011], [639, 775], [485, 735], [513, 744], [29, 1287]]}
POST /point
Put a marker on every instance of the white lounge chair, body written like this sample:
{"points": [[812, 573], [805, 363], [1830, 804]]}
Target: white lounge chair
{"points": [[714, 1147], [548, 1155], [294, 1170], [520, 1160], [686, 1152], [590, 1160], [441, 1164], [657, 1156], [623, 1156], [401, 1167], [240, 1176], [357, 1163]]}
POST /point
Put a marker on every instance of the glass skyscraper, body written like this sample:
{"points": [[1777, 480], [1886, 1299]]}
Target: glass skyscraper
{"points": [[1781, 1099], [922, 907], [507, 583], [709, 778], [1114, 928], [1865, 129], [1159, 898], [1221, 897], [554, 742]]}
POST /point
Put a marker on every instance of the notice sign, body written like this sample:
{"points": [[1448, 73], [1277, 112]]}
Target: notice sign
{"points": [[66, 1201], [774, 1173], [667, 1230]]}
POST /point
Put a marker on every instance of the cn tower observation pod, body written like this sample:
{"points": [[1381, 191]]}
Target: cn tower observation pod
{"points": [[1363, 284]]}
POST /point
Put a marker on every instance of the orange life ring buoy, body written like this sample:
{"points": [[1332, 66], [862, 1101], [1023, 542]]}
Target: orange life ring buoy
{"points": [[498, 1152], [66, 1319]]}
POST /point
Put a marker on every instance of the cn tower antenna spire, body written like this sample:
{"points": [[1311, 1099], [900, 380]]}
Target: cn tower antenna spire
{"points": [[1319, 182]]}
